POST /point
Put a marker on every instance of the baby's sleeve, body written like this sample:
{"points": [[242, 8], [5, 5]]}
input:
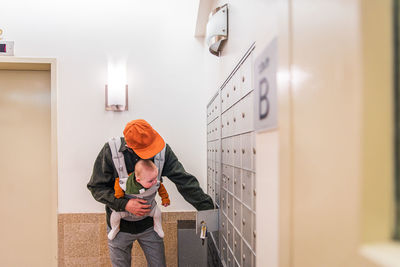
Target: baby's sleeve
{"points": [[164, 195], [118, 190]]}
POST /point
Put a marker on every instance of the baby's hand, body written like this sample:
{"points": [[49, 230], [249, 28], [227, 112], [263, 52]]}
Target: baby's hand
{"points": [[165, 202]]}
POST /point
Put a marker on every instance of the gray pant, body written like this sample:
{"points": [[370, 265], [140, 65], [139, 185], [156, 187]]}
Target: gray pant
{"points": [[121, 248]]}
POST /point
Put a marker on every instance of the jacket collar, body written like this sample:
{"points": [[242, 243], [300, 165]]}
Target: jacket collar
{"points": [[123, 145]]}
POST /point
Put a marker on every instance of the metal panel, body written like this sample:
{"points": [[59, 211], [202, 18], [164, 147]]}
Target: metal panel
{"points": [[237, 183], [224, 99], [229, 121], [212, 129], [229, 150], [235, 88], [230, 235], [237, 246], [208, 176], [224, 125], [224, 201], [246, 77], [217, 106], [214, 110], [208, 132], [247, 109], [224, 155], [247, 255], [220, 235], [227, 174], [254, 192], [237, 214], [236, 151], [216, 151], [208, 150], [247, 188], [217, 147], [246, 151], [253, 152], [224, 252], [217, 193], [213, 188], [229, 177], [217, 172], [228, 94], [235, 123], [223, 225], [245, 115], [212, 173], [254, 232], [208, 115], [211, 154], [231, 260], [216, 129], [209, 118], [230, 206], [247, 224], [224, 178]]}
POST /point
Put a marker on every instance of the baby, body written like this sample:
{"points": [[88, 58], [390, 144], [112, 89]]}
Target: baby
{"points": [[143, 178]]}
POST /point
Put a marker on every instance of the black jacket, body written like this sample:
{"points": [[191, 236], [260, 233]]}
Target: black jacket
{"points": [[101, 184]]}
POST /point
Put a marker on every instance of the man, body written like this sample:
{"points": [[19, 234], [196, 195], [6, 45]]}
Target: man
{"points": [[140, 141]]}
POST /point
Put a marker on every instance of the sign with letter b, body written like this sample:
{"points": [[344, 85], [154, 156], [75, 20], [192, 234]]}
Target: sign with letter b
{"points": [[265, 102]]}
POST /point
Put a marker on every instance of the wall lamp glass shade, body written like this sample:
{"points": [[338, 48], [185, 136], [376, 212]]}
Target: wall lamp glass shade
{"points": [[116, 88], [217, 29], [116, 98]]}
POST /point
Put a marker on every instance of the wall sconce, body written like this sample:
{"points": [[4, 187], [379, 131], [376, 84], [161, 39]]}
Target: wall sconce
{"points": [[217, 29], [116, 91]]}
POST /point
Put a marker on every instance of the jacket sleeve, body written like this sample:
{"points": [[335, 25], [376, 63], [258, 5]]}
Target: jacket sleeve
{"points": [[187, 184], [101, 184]]}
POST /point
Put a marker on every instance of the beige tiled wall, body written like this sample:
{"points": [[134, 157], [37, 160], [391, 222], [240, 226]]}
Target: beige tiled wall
{"points": [[82, 239]]}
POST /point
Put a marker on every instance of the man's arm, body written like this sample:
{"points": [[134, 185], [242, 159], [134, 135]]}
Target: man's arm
{"points": [[101, 184], [187, 184]]}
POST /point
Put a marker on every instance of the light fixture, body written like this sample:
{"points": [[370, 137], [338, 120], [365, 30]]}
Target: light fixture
{"points": [[116, 91], [217, 29]]}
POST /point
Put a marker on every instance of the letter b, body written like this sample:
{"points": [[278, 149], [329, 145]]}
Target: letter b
{"points": [[263, 101]]}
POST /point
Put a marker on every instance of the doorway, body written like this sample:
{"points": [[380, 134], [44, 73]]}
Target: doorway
{"points": [[28, 192]]}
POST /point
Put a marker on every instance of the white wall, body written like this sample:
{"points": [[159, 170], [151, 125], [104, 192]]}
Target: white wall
{"points": [[164, 66]]}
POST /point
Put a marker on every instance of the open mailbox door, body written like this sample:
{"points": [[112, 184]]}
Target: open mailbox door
{"points": [[209, 218]]}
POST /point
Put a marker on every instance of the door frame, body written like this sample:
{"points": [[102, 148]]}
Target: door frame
{"points": [[50, 64]]}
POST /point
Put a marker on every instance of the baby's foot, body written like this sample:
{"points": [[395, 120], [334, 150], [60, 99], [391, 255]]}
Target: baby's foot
{"points": [[113, 232], [158, 229]]}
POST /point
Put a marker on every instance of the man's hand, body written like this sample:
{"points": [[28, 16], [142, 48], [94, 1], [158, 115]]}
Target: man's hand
{"points": [[137, 207]]}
